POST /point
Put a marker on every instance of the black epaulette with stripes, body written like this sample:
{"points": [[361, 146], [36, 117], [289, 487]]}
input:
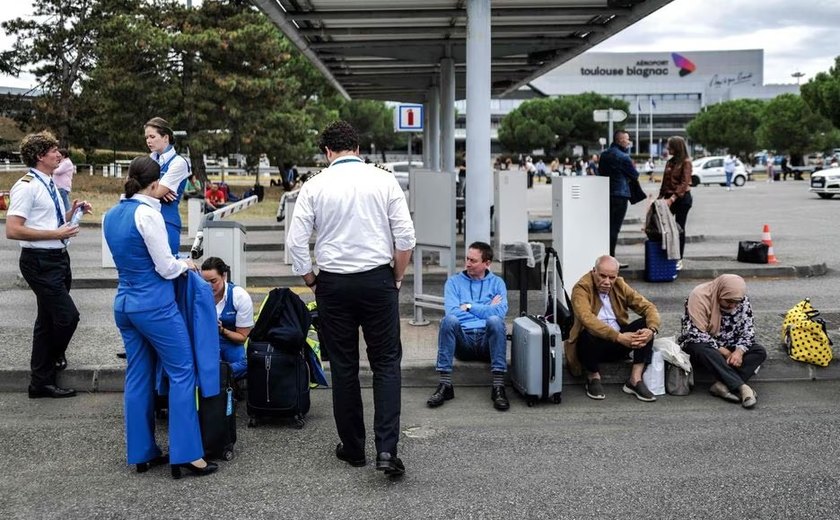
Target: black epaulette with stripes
{"points": [[382, 167], [26, 178]]}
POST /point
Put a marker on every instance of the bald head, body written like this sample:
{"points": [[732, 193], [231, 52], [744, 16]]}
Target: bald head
{"points": [[605, 273], [607, 261]]}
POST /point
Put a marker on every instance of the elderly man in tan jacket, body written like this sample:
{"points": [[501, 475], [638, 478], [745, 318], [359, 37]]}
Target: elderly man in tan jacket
{"points": [[603, 331]]}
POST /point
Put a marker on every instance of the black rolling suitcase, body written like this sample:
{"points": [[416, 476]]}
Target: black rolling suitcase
{"points": [[278, 383], [217, 418]]}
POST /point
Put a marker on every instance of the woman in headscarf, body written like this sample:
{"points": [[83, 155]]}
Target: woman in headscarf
{"points": [[718, 333]]}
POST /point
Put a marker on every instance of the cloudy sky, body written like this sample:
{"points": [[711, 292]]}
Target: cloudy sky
{"points": [[796, 35]]}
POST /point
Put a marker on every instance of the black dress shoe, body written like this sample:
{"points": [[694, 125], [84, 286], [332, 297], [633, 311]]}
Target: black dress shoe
{"points": [[443, 393], [390, 464], [61, 363], [36, 392], [160, 460], [500, 400], [342, 455], [211, 467]]}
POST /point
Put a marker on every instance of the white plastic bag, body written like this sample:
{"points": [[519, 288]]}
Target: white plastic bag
{"points": [[672, 353], [654, 376]]}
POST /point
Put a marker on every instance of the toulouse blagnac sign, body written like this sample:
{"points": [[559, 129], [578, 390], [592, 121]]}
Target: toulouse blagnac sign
{"points": [[643, 68]]}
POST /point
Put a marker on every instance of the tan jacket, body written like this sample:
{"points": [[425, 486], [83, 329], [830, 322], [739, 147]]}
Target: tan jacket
{"points": [[586, 304]]}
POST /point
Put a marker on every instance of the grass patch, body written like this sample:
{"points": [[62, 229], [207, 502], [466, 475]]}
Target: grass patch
{"points": [[104, 192]]}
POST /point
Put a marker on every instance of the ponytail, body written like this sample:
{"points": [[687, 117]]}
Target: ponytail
{"points": [[142, 172]]}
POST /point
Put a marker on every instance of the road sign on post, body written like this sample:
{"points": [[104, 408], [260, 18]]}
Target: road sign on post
{"points": [[408, 118], [609, 115]]}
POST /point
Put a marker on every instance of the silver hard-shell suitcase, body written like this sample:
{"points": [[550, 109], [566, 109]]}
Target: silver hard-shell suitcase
{"points": [[537, 359]]}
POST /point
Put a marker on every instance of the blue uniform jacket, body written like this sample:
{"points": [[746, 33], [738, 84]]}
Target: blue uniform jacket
{"points": [[195, 301]]}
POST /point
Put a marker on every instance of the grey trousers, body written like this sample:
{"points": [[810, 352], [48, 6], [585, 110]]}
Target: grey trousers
{"points": [[706, 355]]}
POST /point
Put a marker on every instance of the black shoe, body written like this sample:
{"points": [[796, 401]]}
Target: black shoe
{"points": [[36, 392], [211, 467], [342, 455], [390, 464], [61, 363], [500, 400], [443, 393], [160, 460]]}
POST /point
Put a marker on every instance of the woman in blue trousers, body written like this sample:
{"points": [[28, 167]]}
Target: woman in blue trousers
{"points": [[174, 171], [152, 328], [235, 312]]}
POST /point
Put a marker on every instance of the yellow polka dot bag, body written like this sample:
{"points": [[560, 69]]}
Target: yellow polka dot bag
{"points": [[804, 335]]}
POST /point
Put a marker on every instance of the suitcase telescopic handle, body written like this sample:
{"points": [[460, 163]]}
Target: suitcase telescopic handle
{"points": [[553, 365]]}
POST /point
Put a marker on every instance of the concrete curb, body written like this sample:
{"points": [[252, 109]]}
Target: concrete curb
{"points": [[422, 374], [786, 271]]}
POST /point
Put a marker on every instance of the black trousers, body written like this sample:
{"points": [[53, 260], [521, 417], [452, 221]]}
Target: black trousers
{"points": [[47, 271], [680, 209], [592, 351], [369, 300], [706, 355], [618, 209]]}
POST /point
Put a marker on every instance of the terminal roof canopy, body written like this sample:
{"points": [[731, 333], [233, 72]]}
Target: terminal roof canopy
{"points": [[391, 49]]}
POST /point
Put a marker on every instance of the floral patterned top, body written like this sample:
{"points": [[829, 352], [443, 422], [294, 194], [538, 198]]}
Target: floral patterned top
{"points": [[737, 329]]}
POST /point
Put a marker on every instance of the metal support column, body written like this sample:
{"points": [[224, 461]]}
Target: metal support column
{"points": [[479, 170], [447, 114], [434, 129], [426, 132]]}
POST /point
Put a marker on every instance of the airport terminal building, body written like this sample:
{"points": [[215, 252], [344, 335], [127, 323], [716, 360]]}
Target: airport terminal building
{"points": [[670, 88]]}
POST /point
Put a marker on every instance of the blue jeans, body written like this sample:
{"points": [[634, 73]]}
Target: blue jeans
{"points": [[488, 344], [729, 178]]}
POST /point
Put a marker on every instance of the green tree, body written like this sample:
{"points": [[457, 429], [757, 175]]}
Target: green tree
{"points": [[57, 44], [822, 93], [730, 125], [789, 125], [374, 122], [555, 123], [222, 73]]}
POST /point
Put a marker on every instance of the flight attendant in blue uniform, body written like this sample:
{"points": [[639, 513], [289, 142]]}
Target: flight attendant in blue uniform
{"points": [[174, 171], [152, 328], [235, 311]]}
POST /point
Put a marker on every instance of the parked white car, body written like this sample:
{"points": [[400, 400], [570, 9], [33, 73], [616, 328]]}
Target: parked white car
{"points": [[400, 171], [826, 183], [709, 170]]}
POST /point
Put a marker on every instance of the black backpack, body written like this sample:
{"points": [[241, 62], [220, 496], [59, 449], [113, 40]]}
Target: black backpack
{"points": [[283, 321]]}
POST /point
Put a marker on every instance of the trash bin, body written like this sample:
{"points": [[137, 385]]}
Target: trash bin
{"points": [[522, 269], [226, 239]]}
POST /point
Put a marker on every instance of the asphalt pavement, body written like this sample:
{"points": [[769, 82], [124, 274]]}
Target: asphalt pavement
{"points": [[694, 457]]}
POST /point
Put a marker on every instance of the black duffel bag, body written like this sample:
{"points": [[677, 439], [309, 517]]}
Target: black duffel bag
{"points": [[752, 252]]}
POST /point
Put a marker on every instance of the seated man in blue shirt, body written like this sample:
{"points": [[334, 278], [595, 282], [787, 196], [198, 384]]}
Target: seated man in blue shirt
{"points": [[474, 326]]}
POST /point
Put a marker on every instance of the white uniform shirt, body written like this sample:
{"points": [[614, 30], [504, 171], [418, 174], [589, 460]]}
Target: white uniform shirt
{"points": [[607, 314], [30, 199], [242, 303], [150, 224], [360, 214], [177, 170]]}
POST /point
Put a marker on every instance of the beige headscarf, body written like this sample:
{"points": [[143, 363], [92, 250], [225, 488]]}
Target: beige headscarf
{"points": [[704, 301]]}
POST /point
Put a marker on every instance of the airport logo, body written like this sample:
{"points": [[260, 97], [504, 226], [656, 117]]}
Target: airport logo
{"points": [[685, 65]]}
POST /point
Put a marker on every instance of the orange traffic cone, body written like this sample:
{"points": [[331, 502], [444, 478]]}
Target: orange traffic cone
{"points": [[765, 238]]}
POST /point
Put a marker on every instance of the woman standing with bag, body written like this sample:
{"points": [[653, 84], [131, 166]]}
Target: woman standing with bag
{"points": [[718, 332], [676, 186], [152, 327]]}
